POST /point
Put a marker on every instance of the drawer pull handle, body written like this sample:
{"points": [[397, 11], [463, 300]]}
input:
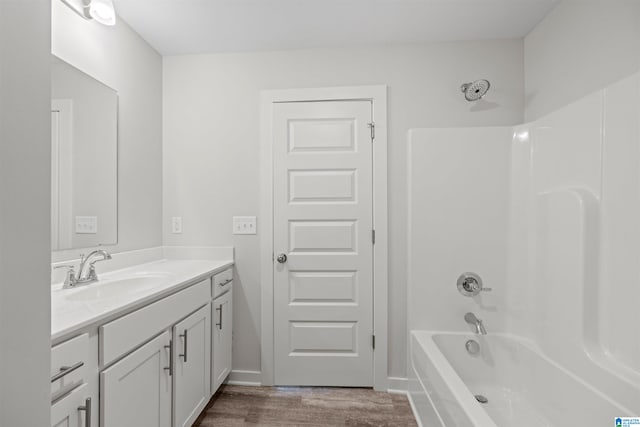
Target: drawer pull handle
{"points": [[219, 325], [170, 367], [225, 282], [87, 411], [184, 354], [65, 370]]}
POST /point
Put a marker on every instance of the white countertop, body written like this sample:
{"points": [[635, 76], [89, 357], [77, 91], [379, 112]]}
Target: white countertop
{"points": [[70, 311]]}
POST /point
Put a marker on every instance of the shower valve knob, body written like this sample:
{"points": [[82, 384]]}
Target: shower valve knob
{"points": [[470, 285]]}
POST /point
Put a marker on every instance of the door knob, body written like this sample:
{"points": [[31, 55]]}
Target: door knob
{"points": [[282, 258]]}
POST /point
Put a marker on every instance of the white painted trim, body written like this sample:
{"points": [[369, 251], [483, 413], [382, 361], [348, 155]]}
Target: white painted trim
{"points": [[248, 378], [397, 385], [377, 94]]}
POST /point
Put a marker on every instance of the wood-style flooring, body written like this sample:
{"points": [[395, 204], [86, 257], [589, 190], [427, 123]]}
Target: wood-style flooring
{"points": [[305, 406]]}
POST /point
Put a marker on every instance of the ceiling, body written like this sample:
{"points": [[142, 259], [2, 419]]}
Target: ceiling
{"points": [[201, 26]]}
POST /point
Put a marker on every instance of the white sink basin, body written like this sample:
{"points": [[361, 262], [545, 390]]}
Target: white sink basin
{"points": [[105, 289]]}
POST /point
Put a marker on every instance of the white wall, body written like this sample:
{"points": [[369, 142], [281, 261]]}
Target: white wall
{"points": [[458, 222], [581, 46], [121, 59], [211, 140], [25, 223]]}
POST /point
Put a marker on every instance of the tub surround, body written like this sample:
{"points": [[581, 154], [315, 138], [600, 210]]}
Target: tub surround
{"points": [[554, 236]]}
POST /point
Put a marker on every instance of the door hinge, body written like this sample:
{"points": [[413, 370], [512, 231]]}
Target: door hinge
{"points": [[373, 236], [373, 341], [372, 126]]}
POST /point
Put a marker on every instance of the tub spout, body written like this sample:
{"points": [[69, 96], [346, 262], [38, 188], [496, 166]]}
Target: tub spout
{"points": [[471, 319]]}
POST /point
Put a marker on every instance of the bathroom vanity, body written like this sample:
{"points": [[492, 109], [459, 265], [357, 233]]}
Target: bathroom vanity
{"points": [[144, 346]]}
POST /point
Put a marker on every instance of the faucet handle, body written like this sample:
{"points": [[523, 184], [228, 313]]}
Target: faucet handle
{"points": [[92, 275], [70, 279]]}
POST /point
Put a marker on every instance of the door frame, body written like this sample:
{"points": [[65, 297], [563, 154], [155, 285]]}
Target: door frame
{"points": [[378, 96]]}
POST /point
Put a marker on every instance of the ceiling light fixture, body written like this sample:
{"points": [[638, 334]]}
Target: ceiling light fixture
{"points": [[102, 11]]}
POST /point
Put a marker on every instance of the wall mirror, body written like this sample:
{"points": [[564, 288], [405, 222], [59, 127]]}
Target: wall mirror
{"points": [[84, 159]]}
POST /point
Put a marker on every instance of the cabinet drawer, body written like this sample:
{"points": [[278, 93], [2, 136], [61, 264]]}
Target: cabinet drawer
{"points": [[68, 356], [222, 282], [130, 331]]}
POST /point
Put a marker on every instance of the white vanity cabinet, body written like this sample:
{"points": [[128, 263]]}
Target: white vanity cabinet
{"points": [[136, 391], [222, 338], [171, 371], [72, 384], [149, 363], [222, 328], [73, 410], [191, 366]]}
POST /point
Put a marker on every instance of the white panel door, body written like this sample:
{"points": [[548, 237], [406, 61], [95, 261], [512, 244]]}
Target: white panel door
{"points": [[323, 292], [136, 391], [192, 366]]}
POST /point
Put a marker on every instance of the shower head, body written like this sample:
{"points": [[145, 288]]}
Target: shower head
{"points": [[475, 90]]}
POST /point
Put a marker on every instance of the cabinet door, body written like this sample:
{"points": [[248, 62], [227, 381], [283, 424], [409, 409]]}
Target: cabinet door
{"points": [[70, 411], [136, 391], [222, 336], [192, 361]]}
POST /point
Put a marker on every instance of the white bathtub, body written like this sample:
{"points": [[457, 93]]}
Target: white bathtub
{"points": [[524, 387]]}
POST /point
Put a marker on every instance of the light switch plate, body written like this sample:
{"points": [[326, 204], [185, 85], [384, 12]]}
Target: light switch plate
{"points": [[176, 224], [244, 225], [86, 225]]}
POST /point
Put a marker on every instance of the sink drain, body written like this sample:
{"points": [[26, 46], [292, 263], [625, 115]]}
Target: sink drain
{"points": [[480, 398]]}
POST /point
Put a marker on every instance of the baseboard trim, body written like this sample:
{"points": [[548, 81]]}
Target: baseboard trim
{"points": [[249, 378], [397, 385]]}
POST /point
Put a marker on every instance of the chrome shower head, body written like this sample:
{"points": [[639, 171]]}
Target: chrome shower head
{"points": [[473, 91]]}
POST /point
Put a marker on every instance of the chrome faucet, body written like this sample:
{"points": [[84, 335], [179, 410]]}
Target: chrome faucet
{"points": [[73, 280], [91, 275], [471, 319]]}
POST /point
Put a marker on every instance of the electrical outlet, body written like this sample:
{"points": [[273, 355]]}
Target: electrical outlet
{"points": [[86, 225], [244, 225], [176, 224]]}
